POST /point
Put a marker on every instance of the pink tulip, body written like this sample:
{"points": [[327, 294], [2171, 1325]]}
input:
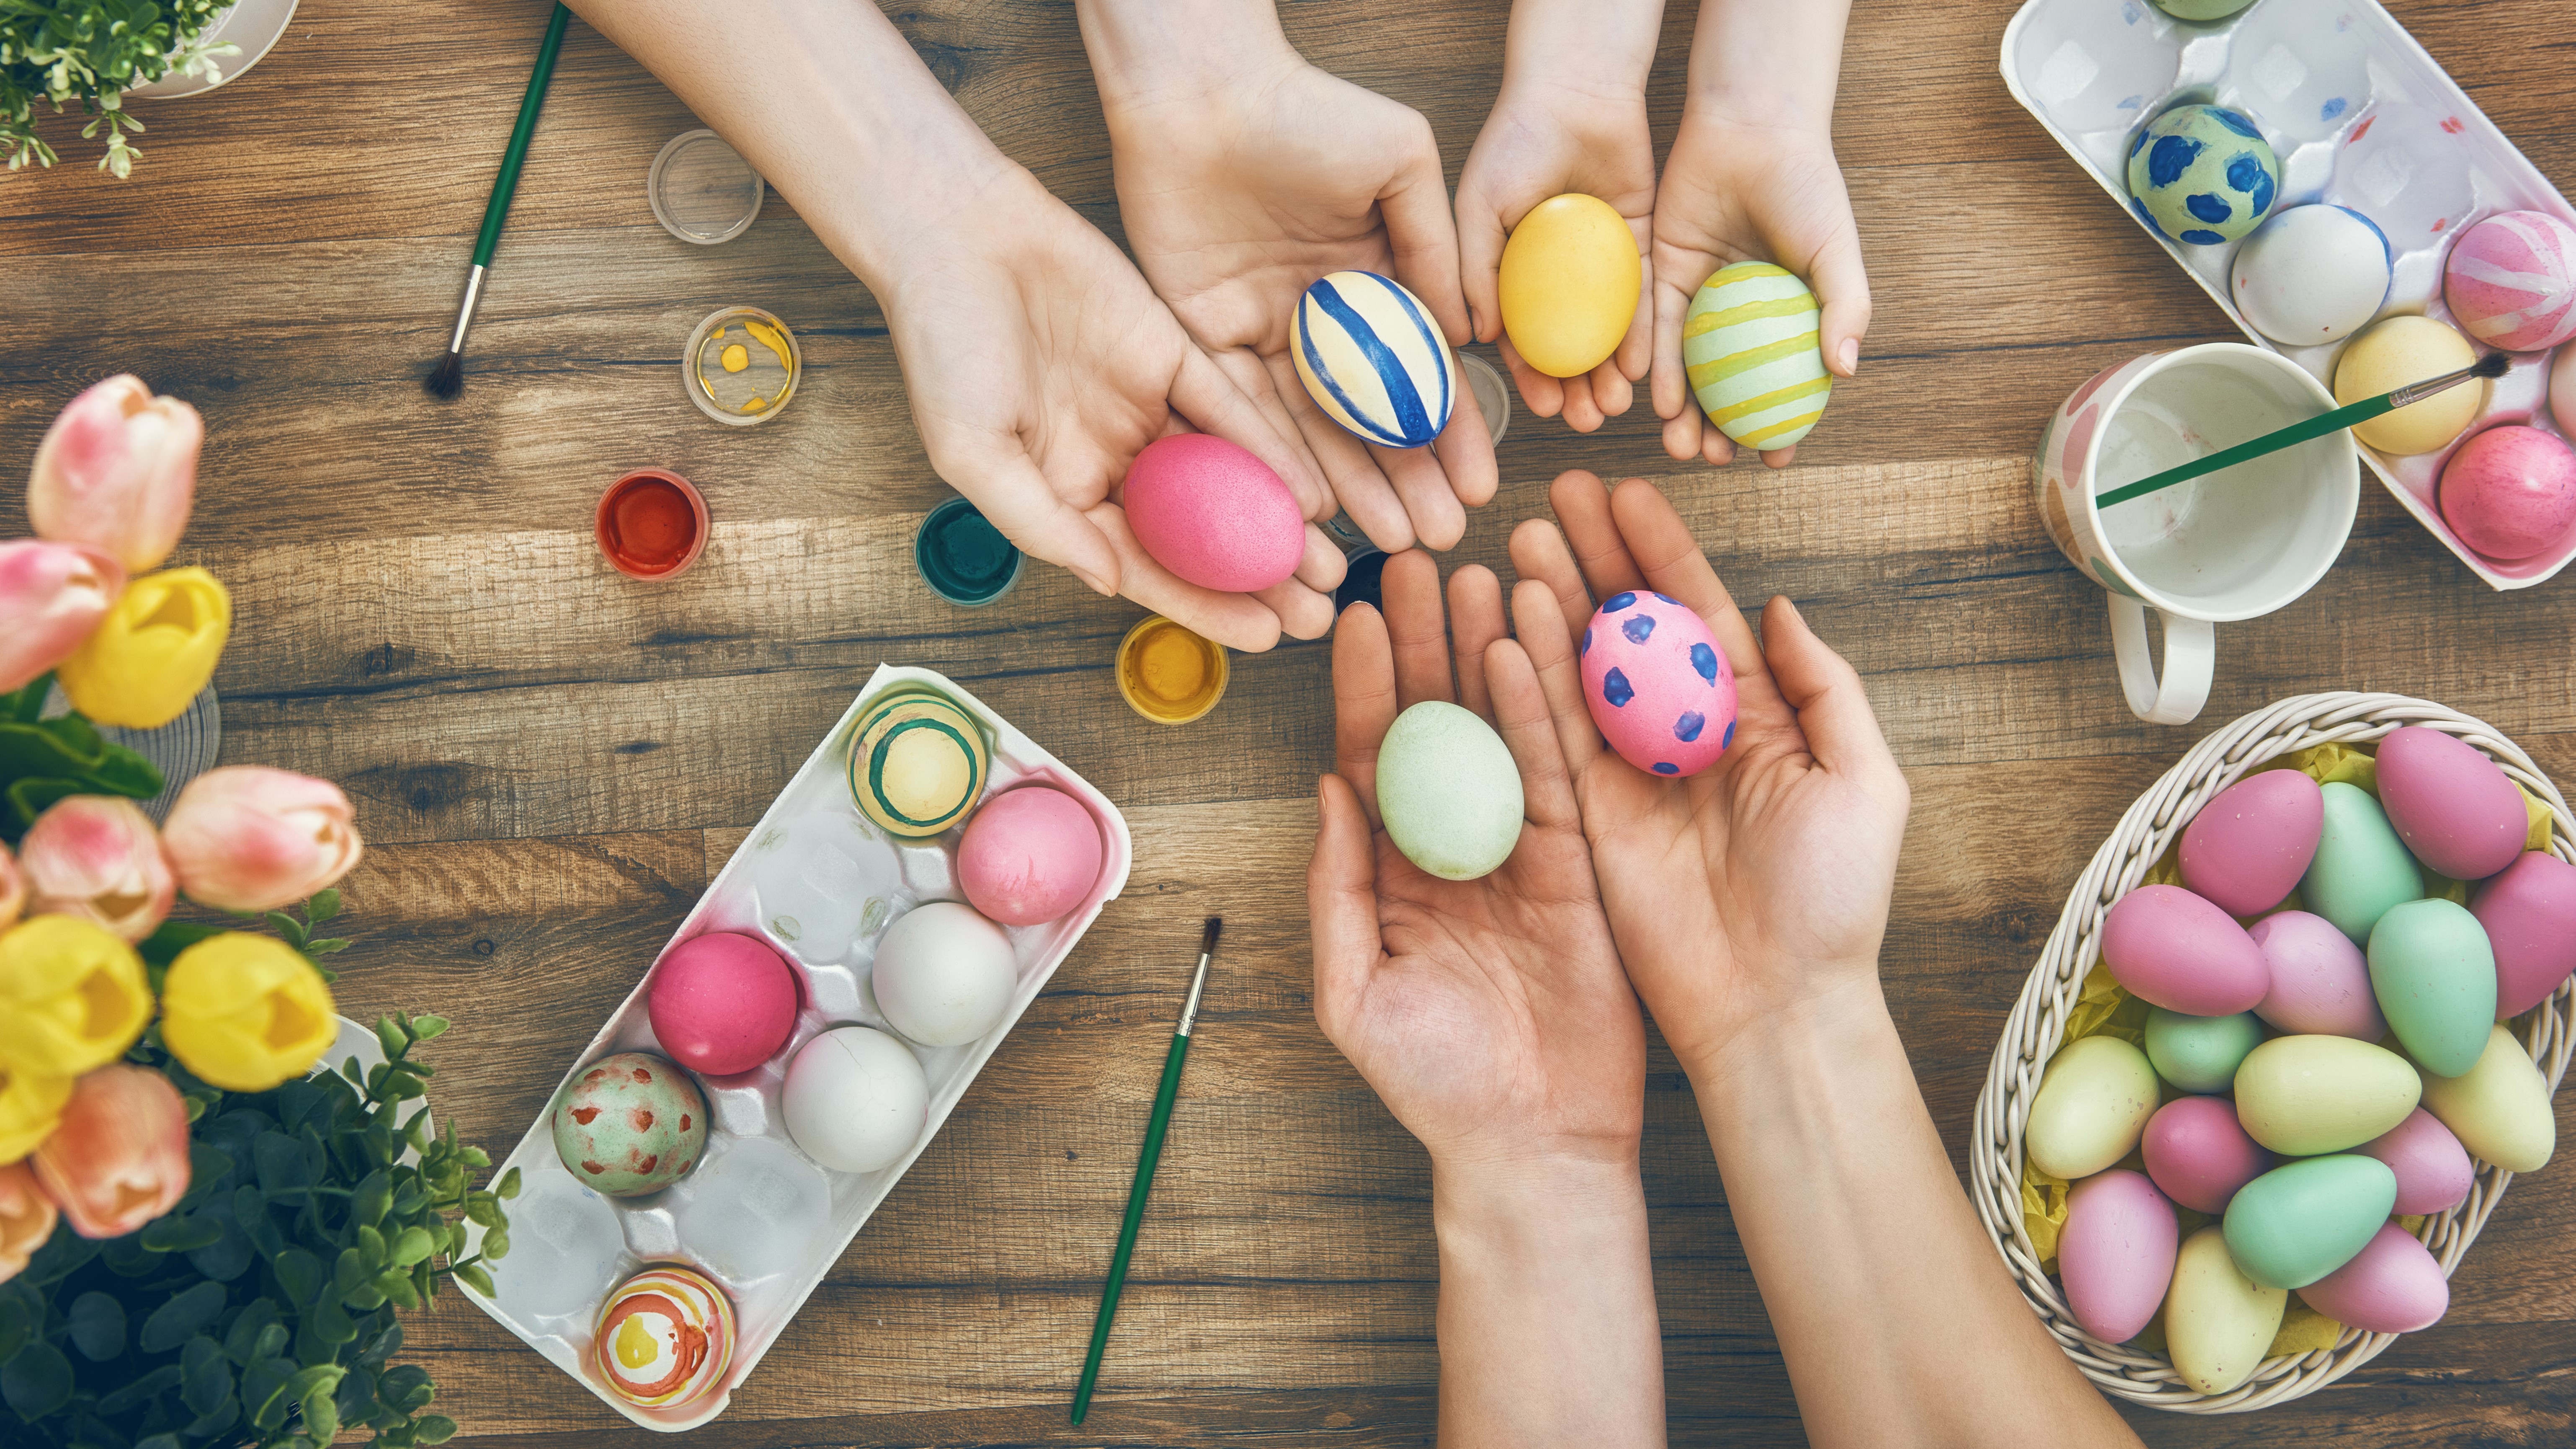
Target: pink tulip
{"points": [[249, 838], [120, 1157], [52, 595], [26, 1218], [117, 471], [13, 889], [94, 856]]}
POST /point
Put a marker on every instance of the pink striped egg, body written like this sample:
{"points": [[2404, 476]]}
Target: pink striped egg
{"points": [[2511, 280], [1657, 683]]}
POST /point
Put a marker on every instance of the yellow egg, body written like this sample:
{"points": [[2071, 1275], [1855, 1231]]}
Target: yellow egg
{"points": [[1569, 281], [2218, 1322], [2091, 1107], [2404, 350], [2499, 1109]]}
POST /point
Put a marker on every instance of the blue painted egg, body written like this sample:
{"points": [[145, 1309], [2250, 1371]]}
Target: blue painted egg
{"points": [[2202, 175], [1657, 684], [1373, 360]]}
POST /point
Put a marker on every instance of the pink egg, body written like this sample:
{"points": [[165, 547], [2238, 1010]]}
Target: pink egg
{"points": [[1213, 514], [2116, 1254], [2510, 493], [2199, 1154], [1657, 684], [1029, 855], [2529, 912], [2393, 1285], [2245, 851], [2320, 979], [722, 1003], [2433, 1169], [2173, 949], [2511, 281], [2452, 806]]}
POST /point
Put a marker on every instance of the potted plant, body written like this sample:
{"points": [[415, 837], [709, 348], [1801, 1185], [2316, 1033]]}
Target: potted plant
{"points": [[97, 52]]}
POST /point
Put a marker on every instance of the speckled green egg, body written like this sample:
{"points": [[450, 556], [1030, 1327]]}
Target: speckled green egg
{"points": [[1448, 791], [2202, 175], [630, 1124]]}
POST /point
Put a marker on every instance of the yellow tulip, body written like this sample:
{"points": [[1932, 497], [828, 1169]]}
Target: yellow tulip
{"points": [[31, 1103], [153, 652], [72, 996], [246, 1012]]}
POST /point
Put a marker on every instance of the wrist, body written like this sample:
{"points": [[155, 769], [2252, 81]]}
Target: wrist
{"points": [[1794, 1047], [1204, 52], [949, 175], [1504, 1214], [1603, 52]]}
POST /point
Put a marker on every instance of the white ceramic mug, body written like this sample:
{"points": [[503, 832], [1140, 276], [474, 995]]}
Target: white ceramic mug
{"points": [[2236, 544]]}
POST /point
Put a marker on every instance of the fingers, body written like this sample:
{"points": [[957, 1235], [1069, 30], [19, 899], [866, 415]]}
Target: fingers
{"points": [[1612, 390], [1544, 394], [1255, 380], [1671, 386], [1581, 410], [1583, 509], [1341, 899], [1833, 709], [1523, 717], [1539, 555], [1237, 621], [1431, 506], [1637, 349], [1424, 234], [1776, 458], [1547, 644], [1353, 476], [1480, 254], [1363, 699], [1475, 622], [1419, 640], [1016, 498], [1466, 451], [1209, 400], [1321, 566], [1302, 612], [1660, 546], [1842, 283]]}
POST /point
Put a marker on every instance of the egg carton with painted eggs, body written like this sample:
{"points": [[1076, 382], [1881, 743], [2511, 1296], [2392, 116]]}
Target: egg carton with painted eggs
{"points": [[2358, 116], [757, 1214]]}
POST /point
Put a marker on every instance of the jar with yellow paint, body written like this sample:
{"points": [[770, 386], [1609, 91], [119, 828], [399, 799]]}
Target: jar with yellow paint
{"points": [[1168, 674], [741, 366]]}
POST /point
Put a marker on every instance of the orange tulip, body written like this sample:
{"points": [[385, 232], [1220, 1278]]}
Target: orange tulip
{"points": [[249, 838], [120, 1157], [117, 471], [53, 596], [13, 889], [95, 857], [26, 1219]]}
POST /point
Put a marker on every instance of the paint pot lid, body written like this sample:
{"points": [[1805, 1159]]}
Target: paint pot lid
{"points": [[1159, 640], [1493, 395], [1363, 568], [702, 190], [963, 557], [675, 542]]}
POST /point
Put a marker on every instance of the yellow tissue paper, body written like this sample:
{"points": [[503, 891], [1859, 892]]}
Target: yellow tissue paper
{"points": [[2303, 1330]]}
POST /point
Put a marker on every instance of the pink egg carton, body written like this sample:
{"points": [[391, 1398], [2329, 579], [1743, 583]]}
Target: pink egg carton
{"points": [[821, 884], [2360, 116]]}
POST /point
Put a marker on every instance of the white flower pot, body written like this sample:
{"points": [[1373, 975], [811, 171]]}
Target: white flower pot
{"points": [[254, 25]]}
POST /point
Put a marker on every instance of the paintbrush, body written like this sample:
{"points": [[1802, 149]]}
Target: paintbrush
{"points": [[1145, 1160], [448, 377], [2491, 366]]}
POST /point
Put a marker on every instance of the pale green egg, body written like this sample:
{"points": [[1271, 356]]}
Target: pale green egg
{"points": [[2361, 868], [2303, 1095], [1750, 344], [1448, 791], [2218, 1322], [2499, 1108], [2092, 1104], [2304, 1219], [2434, 973], [2200, 1053]]}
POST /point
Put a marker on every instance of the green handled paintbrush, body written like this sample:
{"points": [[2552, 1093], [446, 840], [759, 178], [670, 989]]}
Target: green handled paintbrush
{"points": [[448, 377], [2492, 365], [1145, 1160]]}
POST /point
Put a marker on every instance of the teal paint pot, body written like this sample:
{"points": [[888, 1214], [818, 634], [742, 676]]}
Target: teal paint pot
{"points": [[963, 558]]}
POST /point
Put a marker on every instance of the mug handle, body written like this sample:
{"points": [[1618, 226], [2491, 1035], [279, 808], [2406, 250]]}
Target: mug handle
{"points": [[2191, 657]]}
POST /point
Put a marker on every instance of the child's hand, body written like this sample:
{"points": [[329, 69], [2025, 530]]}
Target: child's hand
{"points": [[1761, 884]]}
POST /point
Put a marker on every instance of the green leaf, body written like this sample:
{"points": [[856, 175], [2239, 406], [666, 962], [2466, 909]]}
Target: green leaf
{"points": [[321, 1414], [374, 1194], [330, 1322], [473, 1276], [250, 1214], [509, 1187], [405, 1388], [263, 1392], [496, 1244], [176, 1234], [164, 945], [355, 1396], [300, 1274], [24, 704], [286, 926], [184, 1315], [429, 1028], [162, 1380], [397, 1286], [97, 1322], [158, 1441], [324, 905], [36, 1381], [371, 1247], [481, 1210], [325, 948], [206, 1377], [242, 1343], [392, 1037], [434, 1428]]}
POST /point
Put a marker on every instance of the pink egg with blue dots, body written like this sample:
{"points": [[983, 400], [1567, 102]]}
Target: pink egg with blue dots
{"points": [[1657, 684]]}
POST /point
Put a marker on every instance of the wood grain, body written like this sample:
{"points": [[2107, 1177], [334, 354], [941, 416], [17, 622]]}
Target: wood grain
{"points": [[550, 762]]}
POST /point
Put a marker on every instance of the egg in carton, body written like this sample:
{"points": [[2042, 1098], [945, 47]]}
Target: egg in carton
{"points": [[2368, 135], [746, 1232]]}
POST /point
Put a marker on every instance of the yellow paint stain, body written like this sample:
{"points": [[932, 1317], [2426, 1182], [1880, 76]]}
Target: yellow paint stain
{"points": [[767, 336], [736, 358], [637, 1344]]}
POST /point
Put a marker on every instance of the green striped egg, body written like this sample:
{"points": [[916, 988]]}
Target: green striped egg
{"points": [[917, 764], [1755, 363]]}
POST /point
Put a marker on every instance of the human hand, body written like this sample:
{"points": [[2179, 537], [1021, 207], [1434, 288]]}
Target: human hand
{"points": [[1243, 181], [1760, 885], [1489, 1014]]}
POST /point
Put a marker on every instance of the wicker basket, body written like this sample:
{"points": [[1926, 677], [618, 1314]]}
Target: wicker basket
{"points": [[2038, 1022]]}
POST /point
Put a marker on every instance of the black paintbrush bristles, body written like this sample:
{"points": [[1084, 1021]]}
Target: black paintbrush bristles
{"points": [[2491, 366], [1207, 942], [447, 379]]}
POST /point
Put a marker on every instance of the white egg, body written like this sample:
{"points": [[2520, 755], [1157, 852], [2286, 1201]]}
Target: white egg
{"points": [[2312, 275], [855, 1099], [944, 974]]}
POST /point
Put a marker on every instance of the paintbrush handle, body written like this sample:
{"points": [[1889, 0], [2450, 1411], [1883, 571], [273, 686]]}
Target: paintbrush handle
{"points": [[506, 185], [1144, 1184], [2289, 437]]}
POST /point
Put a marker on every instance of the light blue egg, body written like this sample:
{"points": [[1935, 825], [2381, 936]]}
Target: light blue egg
{"points": [[2202, 175], [1373, 360], [1448, 791]]}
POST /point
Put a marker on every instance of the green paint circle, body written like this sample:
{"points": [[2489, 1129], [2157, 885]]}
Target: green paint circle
{"points": [[963, 557]]}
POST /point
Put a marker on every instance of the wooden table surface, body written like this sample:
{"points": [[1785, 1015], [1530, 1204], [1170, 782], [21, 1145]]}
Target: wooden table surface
{"points": [[550, 761]]}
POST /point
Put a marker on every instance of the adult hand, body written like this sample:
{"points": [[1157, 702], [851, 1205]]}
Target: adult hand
{"points": [[1760, 885], [1242, 181]]}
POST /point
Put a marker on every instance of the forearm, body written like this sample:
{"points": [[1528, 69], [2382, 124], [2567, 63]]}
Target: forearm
{"points": [[1898, 1321], [1768, 62], [1601, 50], [827, 100], [1148, 52], [1547, 1309]]}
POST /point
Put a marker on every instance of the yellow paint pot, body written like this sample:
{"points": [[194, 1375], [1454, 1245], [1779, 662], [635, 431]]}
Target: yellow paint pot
{"points": [[1168, 674]]}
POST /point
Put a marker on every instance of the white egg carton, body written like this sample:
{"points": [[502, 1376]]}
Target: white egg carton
{"points": [[821, 884], [2359, 115]]}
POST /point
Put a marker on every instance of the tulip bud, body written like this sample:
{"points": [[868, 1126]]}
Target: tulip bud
{"points": [[53, 595], [30, 1104], [13, 889], [72, 996], [120, 1158], [246, 1012], [249, 838], [26, 1219], [95, 857], [116, 471], [155, 649]]}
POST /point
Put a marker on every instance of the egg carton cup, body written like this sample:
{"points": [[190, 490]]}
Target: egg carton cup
{"points": [[821, 884], [2359, 115], [2038, 1024]]}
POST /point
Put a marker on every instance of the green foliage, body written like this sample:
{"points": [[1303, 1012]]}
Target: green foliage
{"points": [[93, 51], [262, 1310], [41, 761]]}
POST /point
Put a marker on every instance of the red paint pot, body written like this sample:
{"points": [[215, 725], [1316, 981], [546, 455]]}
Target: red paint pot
{"points": [[651, 524]]}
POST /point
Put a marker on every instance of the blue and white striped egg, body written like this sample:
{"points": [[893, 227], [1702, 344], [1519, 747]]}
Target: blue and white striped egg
{"points": [[1373, 360], [1750, 344], [1657, 684]]}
